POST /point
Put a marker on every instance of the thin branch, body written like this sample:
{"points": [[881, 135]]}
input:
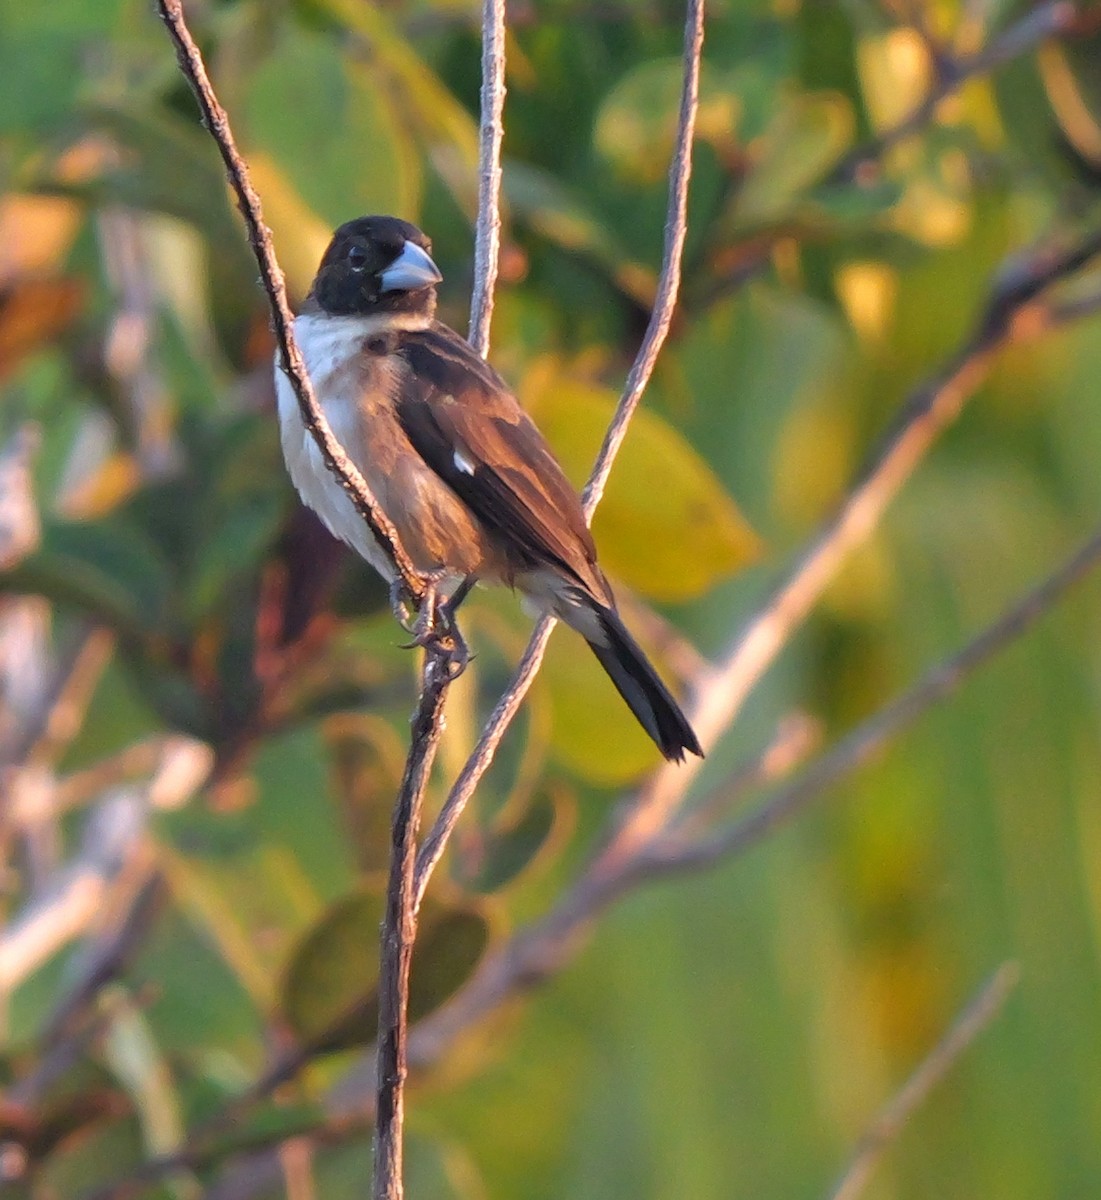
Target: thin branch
{"points": [[974, 1020], [487, 242], [1014, 309], [290, 357], [872, 735], [795, 738], [540, 951], [639, 376], [399, 928], [676, 230], [543, 948], [1036, 26]]}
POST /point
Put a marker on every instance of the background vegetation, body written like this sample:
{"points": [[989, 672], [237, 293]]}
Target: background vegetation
{"points": [[171, 611]]}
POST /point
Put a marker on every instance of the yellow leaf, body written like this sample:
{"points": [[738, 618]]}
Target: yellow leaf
{"points": [[666, 526], [593, 731], [300, 235]]}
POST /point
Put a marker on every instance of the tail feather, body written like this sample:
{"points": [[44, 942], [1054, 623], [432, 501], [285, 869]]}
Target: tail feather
{"points": [[640, 685]]}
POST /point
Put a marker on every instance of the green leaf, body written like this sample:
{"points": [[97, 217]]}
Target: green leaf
{"points": [[169, 165], [450, 944], [564, 219], [666, 526], [107, 568], [433, 114], [594, 733], [329, 993], [40, 76], [505, 854], [806, 138], [333, 973], [1072, 80], [366, 758], [307, 106], [132, 1053], [265, 1126], [635, 127], [231, 549]]}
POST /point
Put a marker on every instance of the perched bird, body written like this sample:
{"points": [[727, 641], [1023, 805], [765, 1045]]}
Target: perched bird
{"points": [[466, 478]]}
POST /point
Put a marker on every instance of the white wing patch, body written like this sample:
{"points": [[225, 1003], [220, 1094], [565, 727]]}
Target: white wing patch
{"points": [[462, 463]]}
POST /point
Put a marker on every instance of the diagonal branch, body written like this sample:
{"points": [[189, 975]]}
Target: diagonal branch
{"points": [[271, 276], [1014, 309], [868, 738], [977, 1017], [1037, 25], [540, 951], [676, 226]]}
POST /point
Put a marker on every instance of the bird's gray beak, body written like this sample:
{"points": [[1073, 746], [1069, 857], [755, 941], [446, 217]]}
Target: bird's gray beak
{"points": [[412, 269]]}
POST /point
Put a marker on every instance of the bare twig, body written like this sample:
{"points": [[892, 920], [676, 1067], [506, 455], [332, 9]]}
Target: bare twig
{"points": [[543, 948], [869, 737], [660, 319], [1013, 309], [796, 736], [399, 928], [974, 1020], [487, 242], [290, 357], [1035, 26], [676, 230]]}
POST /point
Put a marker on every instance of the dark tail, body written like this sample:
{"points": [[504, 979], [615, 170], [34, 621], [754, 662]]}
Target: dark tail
{"points": [[638, 683]]}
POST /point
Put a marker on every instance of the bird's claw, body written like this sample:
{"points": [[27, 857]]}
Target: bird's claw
{"points": [[401, 604], [434, 627]]}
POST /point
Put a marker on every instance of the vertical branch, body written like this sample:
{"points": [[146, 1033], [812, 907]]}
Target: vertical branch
{"points": [[399, 929], [271, 276], [660, 319], [487, 240]]}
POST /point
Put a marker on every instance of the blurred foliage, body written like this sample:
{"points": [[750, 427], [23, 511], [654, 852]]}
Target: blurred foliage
{"points": [[731, 1035]]}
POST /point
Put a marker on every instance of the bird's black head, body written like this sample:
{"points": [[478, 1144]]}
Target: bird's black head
{"points": [[377, 265]]}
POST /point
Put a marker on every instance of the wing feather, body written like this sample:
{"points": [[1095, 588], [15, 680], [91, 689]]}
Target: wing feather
{"points": [[461, 418]]}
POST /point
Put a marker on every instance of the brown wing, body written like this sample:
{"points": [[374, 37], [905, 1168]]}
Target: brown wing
{"points": [[465, 423]]}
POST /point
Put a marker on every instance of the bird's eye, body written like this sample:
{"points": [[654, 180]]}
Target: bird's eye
{"points": [[357, 258]]}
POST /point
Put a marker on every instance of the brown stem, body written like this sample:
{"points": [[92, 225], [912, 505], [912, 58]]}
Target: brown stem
{"points": [[676, 226], [399, 929], [271, 276]]}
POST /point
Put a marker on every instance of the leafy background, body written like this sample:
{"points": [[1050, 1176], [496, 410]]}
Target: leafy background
{"points": [[728, 1035]]}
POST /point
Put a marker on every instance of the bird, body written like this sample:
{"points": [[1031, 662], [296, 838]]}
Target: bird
{"points": [[470, 485]]}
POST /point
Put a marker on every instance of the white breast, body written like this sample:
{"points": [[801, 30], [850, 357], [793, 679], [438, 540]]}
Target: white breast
{"points": [[326, 344]]}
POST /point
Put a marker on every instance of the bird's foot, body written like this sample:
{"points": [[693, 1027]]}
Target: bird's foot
{"points": [[434, 627]]}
